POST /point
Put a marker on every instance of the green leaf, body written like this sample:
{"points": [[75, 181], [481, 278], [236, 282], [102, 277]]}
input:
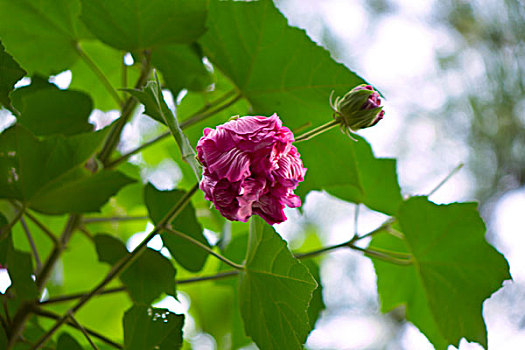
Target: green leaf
{"points": [[20, 269], [67, 342], [85, 194], [143, 24], [110, 62], [182, 68], [147, 328], [275, 291], [10, 73], [41, 35], [38, 83], [52, 111], [29, 165], [317, 303], [454, 270], [349, 170], [192, 258], [150, 275], [280, 70], [155, 106]]}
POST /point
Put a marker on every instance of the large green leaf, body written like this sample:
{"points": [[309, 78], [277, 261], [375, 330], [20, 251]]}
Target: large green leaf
{"points": [[349, 171], [317, 304], [47, 174], [454, 270], [150, 275], [181, 67], [10, 73], [147, 328], [41, 35], [110, 62], [52, 111], [85, 194], [185, 253], [142, 24], [279, 69], [275, 291]]}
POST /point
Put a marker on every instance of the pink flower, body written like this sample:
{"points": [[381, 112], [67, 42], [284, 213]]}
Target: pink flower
{"points": [[250, 167]]}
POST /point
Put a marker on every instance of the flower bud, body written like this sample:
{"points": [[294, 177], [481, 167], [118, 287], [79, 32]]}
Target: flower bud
{"points": [[360, 108]]}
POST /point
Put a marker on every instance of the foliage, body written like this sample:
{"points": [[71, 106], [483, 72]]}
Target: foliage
{"points": [[70, 266]]}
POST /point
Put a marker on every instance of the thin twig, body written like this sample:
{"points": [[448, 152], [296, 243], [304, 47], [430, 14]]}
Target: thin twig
{"points": [[444, 181], [100, 74], [204, 247], [317, 131], [42, 227], [83, 330], [114, 218], [32, 244], [65, 298], [5, 229], [53, 316], [127, 110], [70, 297]]}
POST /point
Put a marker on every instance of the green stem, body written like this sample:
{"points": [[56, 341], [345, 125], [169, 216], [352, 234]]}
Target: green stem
{"points": [[383, 256], [5, 229], [198, 116], [114, 218], [445, 180], [204, 247], [127, 109], [70, 297], [53, 316], [31, 244], [99, 73], [83, 330], [121, 265], [317, 131], [42, 227]]}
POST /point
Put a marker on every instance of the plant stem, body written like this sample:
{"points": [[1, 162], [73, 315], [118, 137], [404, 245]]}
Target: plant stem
{"points": [[53, 316], [64, 298], [348, 244], [70, 297], [42, 227], [99, 73], [45, 273], [445, 180], [32, 244], [198, 116], [127, 110], [115, 218], [317, 131], [204, 247], [5, 229], [83, 330], [122, 264]]}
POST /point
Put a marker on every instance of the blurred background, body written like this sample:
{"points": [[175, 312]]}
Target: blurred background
{"points": [[453, 75]]}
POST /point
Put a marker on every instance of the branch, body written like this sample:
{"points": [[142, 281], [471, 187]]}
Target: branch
{"points": [[42, 227], [83, 330], [99, 73], [6, 228], [70, 297], [32, 244], [115, 218], [121, 265], [127, 110], [445, 180], [204, 247], [53, 316]]}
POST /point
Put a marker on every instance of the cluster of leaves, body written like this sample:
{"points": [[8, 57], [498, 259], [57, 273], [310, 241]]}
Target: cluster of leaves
{"points": [[56, 170]]}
